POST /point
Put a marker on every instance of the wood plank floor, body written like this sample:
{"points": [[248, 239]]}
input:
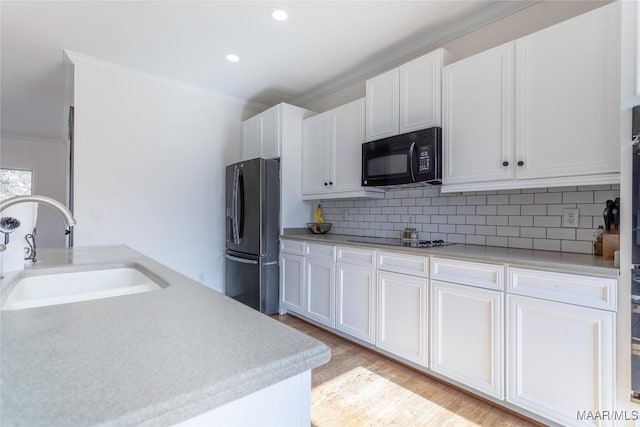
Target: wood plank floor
{"points": [[358, 387]]}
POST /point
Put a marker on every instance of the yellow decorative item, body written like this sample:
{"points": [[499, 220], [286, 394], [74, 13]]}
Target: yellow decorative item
{"points": [[318, 214]]}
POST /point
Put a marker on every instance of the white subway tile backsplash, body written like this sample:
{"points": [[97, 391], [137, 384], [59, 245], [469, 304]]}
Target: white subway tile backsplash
{"points": [[497, 220], [456, 219], [487, 210], [475, 240], [533, 210], [476, 200], [533, 232], [547, 221], [497, 241], [519, 242], [561, 233], [486, 230], [521, 221], [577, 246], [465, 229], [465, 210], [530, 218], [476, 219], [547, 198], [509, 210], [546, 245], [500, 199], [521, 199], [447, 210], [577, 197], [508, 231]]}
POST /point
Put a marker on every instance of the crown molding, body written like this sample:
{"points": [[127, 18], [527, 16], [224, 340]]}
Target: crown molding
{"points": [[395, 56], [78, 58]]}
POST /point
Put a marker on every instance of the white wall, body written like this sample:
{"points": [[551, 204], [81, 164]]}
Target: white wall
{"points": [[150, 158], [47, 158], [519, 24]]}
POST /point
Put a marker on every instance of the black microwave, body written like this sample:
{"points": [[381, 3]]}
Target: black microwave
{"points": [[414, 157]]}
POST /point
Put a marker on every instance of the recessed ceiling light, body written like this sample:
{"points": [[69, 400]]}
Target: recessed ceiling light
{"points": [[280, 15], [233, 58]]}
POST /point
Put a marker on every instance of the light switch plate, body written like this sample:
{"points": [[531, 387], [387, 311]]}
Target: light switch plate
{"points": [[570, 217]]}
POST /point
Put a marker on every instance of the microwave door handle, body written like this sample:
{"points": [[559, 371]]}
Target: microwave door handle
{"points": [[411, 149]]}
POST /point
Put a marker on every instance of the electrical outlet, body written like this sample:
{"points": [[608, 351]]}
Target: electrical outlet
{"points": [[345, 215], [570, 217]]}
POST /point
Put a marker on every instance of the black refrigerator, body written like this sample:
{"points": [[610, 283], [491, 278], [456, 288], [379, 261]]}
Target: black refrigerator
{"points": [[252, 230]]}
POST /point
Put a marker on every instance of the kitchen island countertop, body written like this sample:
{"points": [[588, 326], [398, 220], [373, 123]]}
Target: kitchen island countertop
{"points": [[155, 358]]}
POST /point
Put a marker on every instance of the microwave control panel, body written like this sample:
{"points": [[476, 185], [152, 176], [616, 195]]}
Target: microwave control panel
{"points": [[424, 160]]}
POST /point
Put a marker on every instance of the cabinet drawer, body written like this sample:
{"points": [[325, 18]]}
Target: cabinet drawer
{"points": [[405, 264], [489, 276], [319, 251], [356, 256], [597, 292], [292, 246]]}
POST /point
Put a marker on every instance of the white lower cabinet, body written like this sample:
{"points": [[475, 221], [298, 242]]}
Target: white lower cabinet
{"points": [[402, 316], [356, 297], [467, 336], [292, 283], [320, 279], [560, 358]]}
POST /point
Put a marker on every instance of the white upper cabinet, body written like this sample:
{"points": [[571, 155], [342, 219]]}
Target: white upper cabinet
{"points": [[478, 117], [316, 132], [542, 111], [251, 131], [568, 98], [261, 135], [271, 133], [332, 152], [420, 92], [406, 98], [383, 114]]}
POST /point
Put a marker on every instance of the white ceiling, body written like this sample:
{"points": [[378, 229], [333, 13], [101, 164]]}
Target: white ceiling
{"points": [[322, 42]]}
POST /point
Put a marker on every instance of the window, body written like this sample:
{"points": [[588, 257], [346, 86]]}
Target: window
{"points": [[15, 182]]}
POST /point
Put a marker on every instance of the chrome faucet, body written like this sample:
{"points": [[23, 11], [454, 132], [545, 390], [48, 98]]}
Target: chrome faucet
{"points": [[68, 216]]}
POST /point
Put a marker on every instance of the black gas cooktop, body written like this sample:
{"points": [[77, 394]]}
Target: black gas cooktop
{"points": [[400, 242]]}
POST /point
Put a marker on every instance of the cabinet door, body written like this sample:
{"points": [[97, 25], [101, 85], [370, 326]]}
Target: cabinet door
{"points": [[466, 336], [402, 316], [320, 281], [315, 154], [347, 125], [568, 94], [478, 117], [382, 111], [251, 144], [291, 283], [560, 358], [271, 133], [356, 301], [420, 92]]}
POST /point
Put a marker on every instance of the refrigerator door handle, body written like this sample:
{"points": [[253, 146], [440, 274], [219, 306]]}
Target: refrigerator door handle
{"points": [[242, 260], [234, 207]]}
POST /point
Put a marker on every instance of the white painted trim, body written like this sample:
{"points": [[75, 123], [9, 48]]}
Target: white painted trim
{"points": [[533, 183], [33, 138], [395, 56], [372, 193], [78, 58]]}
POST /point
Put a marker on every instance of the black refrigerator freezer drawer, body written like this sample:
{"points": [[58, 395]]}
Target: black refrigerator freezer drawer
{"points": [[252, 281]]}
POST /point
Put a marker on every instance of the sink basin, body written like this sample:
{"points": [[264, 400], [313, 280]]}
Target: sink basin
{"points": [[37, 289]]}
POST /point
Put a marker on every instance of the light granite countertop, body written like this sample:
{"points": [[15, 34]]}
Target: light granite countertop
{"points": [[154, 358], [547, 260]]}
